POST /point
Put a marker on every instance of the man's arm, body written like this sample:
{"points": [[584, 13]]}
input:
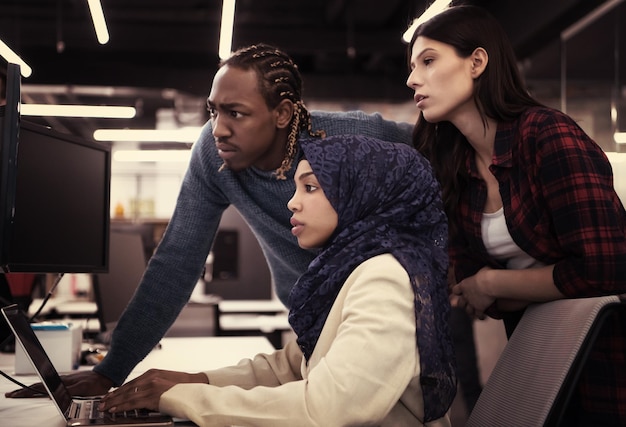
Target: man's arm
{"points": [[359, 123], [167, 283], [173, 270]]}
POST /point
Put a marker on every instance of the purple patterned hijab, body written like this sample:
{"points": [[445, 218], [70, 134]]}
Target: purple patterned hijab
{"points": [[388, 201]]}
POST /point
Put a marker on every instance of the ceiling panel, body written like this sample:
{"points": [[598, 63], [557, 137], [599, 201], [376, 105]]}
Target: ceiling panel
{"points": [[163, 53]]}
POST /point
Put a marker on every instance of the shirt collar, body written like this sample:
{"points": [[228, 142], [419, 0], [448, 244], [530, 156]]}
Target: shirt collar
{"points": [[502, 156]]}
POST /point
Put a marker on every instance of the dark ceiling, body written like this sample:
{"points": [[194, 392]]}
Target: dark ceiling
{"points": [[163, 53]]}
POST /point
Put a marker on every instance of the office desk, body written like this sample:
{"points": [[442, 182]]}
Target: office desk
{"points": [[268, 318], [183, 354], [64, 307]]}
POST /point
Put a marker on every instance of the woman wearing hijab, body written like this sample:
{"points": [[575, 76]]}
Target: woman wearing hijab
{"points": [[370, 313]]}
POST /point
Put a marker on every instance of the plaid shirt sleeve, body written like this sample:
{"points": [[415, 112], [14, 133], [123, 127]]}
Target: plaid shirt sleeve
{"points": [[557, 188], [588, 218]]}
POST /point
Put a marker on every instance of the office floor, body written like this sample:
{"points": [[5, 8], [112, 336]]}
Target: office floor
{"points": [[197, 320]]}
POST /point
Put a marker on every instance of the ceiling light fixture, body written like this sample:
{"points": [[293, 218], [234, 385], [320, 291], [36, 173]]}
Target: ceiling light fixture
{"points": [[12, 57], [169, 156], [433, 9], [226, 28], [588, 19], [97, 111], [99, 23], [186, 135]]}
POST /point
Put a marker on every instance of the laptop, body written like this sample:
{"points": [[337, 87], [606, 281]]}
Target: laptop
{"points": [[76, 411]]}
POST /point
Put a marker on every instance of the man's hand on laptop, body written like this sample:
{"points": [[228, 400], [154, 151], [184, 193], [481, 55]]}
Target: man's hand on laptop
{"points": [[81, 383]]}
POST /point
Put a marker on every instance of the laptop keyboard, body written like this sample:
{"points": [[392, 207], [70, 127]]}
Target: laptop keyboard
{"points": [[91, 408]]}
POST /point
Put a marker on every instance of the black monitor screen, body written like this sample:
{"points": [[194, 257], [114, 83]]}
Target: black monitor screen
{"points": [[60, 221], [57, 202], [114, 290]]}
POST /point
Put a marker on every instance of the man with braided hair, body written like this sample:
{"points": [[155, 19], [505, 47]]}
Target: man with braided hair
{"points": [[279, 82], [256, 116]]}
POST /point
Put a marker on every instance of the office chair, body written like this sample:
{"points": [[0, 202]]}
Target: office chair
{"points": [[535, 376]]}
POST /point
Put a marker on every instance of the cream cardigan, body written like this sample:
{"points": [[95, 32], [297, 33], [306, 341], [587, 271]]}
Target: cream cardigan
{"points": [[364, 369]]}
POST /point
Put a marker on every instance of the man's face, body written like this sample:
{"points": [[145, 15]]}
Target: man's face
{"points": [[244, 128]]}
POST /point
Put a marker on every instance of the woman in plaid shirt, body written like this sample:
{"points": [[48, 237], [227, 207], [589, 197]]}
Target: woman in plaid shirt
{"points": [[533, 212]]}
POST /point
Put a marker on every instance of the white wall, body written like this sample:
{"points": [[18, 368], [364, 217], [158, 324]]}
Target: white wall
{"points": [[154, 186], [618, 162], [145, 189], [149, 190]]}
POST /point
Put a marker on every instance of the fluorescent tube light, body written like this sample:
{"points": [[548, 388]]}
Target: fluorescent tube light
{"points": [[620, 137], [12, 57], [187, 134], [226, 28], [99, 24], [433, 9], [588, 19], [171, 156], [100, 111]]}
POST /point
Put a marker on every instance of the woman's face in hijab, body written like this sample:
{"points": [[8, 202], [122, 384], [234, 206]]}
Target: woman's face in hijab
{"points": [[314, 219]]}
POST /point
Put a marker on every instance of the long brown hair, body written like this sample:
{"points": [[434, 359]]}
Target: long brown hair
{"points": [[278, 79], [499, 93]]}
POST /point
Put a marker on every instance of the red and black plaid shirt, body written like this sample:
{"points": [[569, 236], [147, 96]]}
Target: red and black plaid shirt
{"points": [[561, 208]]}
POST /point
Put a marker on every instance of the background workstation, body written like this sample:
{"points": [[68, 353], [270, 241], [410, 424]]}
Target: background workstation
{"points": [[234, 296], [161, 60]]}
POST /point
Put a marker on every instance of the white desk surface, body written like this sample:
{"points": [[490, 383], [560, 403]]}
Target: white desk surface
{"points": [[262, 322], [251, 306], [64, 306], [184, 354]]}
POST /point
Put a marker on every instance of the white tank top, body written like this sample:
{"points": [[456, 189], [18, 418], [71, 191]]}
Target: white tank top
{"points": [[500, 244]]}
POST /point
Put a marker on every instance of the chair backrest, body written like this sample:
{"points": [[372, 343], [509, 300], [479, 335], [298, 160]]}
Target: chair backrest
{"points": [[535, 375]]}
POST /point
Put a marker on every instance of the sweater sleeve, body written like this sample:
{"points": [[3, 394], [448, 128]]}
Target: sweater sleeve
{"points": [[360, 123], [370, 361], [173, 270]]}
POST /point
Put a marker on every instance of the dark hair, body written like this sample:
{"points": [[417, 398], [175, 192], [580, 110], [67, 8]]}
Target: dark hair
{"points": [[278, 78], [499, 92]]}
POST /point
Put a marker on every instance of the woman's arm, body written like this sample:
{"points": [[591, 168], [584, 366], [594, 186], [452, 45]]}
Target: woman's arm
{"points": [[511, 290], [587, 219], [369, 360]]}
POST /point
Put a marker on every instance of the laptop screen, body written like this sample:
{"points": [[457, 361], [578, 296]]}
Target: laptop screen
{"points": [[38, 357]]}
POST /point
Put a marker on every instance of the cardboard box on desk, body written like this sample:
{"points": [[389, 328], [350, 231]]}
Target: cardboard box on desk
{"points": [[61, 340]]}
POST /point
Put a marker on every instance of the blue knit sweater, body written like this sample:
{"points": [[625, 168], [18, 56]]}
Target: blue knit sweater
{"points": [[205, 193]]}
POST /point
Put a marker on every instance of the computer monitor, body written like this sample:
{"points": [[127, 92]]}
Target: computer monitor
{"points": [[9, 130], [6, 298], [54, 196], [239, 270], [113, 290]]}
